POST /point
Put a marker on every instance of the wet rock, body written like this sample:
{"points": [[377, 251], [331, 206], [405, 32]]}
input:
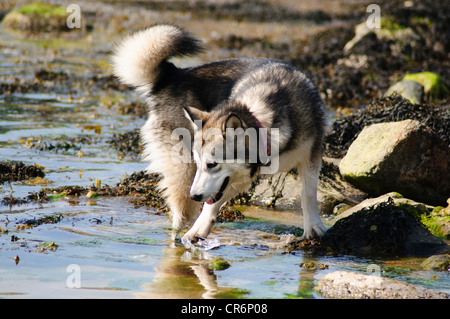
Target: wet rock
{"points": [[410, 90], [219, 263], [437, 262], [17, 171], [133, 108], [383, 230], [352, 285], [413, 207], [405, 156]]}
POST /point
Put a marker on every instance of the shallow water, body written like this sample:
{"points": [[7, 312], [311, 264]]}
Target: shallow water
{"points": [[105, 247]]}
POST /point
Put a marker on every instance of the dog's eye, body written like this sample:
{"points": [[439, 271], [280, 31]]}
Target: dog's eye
{"points": [[211, 165]]}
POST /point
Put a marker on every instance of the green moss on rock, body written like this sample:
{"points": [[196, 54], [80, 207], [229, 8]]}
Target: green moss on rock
{"points": [[219, 264], [37, 17], [42, 9], [437, 222]]}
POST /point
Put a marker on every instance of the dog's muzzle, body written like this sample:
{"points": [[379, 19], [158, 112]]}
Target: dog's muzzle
{"points": [[217, 197]]}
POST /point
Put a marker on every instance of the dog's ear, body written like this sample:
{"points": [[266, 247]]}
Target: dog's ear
{"points": [[196, 117], [233, 121]]}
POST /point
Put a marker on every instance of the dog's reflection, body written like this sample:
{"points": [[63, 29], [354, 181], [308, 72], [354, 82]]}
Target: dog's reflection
{"points": [[183, 274], [187, 274]]}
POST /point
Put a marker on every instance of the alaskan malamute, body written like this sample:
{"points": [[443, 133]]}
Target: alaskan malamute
{"points": [[201, 118]]}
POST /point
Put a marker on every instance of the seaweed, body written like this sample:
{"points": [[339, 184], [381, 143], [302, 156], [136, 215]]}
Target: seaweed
{"points": [[385, 230], [17, 171]]}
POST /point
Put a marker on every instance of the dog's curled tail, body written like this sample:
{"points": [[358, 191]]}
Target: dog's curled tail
{"points": [[137, 59]]}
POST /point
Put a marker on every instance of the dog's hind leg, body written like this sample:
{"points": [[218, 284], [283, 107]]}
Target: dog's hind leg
{"points": [[309, 176]]}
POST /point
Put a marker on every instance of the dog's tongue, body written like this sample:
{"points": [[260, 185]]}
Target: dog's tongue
{"points": [[210, 201]]}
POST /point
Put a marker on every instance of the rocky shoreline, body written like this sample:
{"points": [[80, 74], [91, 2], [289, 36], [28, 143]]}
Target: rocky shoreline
{"points": [[385, 174], [348, 185]]}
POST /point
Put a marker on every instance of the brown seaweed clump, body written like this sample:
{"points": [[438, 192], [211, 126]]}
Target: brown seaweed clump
{"points": [[16, 171]]}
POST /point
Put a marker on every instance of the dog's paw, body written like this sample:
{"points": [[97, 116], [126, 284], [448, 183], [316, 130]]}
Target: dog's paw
{"points": [[188, 240], [313, 231], [199, 242]]}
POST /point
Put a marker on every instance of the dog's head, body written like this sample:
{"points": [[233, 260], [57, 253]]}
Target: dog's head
{"points": [[225, 151]]}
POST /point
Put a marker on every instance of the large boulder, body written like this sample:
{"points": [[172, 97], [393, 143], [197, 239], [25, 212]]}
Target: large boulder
{"points": [[383, 229], [406, 157]]}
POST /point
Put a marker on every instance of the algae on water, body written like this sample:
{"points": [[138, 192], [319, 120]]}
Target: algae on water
{"points": [[219, 264]]}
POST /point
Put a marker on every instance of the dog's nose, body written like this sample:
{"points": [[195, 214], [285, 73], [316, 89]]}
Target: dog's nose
{"points": [[197, 197]]}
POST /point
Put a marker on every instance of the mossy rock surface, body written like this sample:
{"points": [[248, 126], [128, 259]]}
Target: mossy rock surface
{"points": [[437, 262], [438, 221], [42, 9], [219, 264], [389, 157], [36, 17]]}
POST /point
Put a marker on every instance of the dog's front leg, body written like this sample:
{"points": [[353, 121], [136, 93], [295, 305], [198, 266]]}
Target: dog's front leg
{"points": [[313, 225], [204, 223]]}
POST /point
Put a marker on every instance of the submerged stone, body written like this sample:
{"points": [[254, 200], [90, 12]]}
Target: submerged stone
{"points": [[219, 264]]}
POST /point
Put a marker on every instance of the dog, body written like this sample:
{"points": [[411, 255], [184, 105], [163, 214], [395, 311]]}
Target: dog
{"points": [[192, 110]]}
